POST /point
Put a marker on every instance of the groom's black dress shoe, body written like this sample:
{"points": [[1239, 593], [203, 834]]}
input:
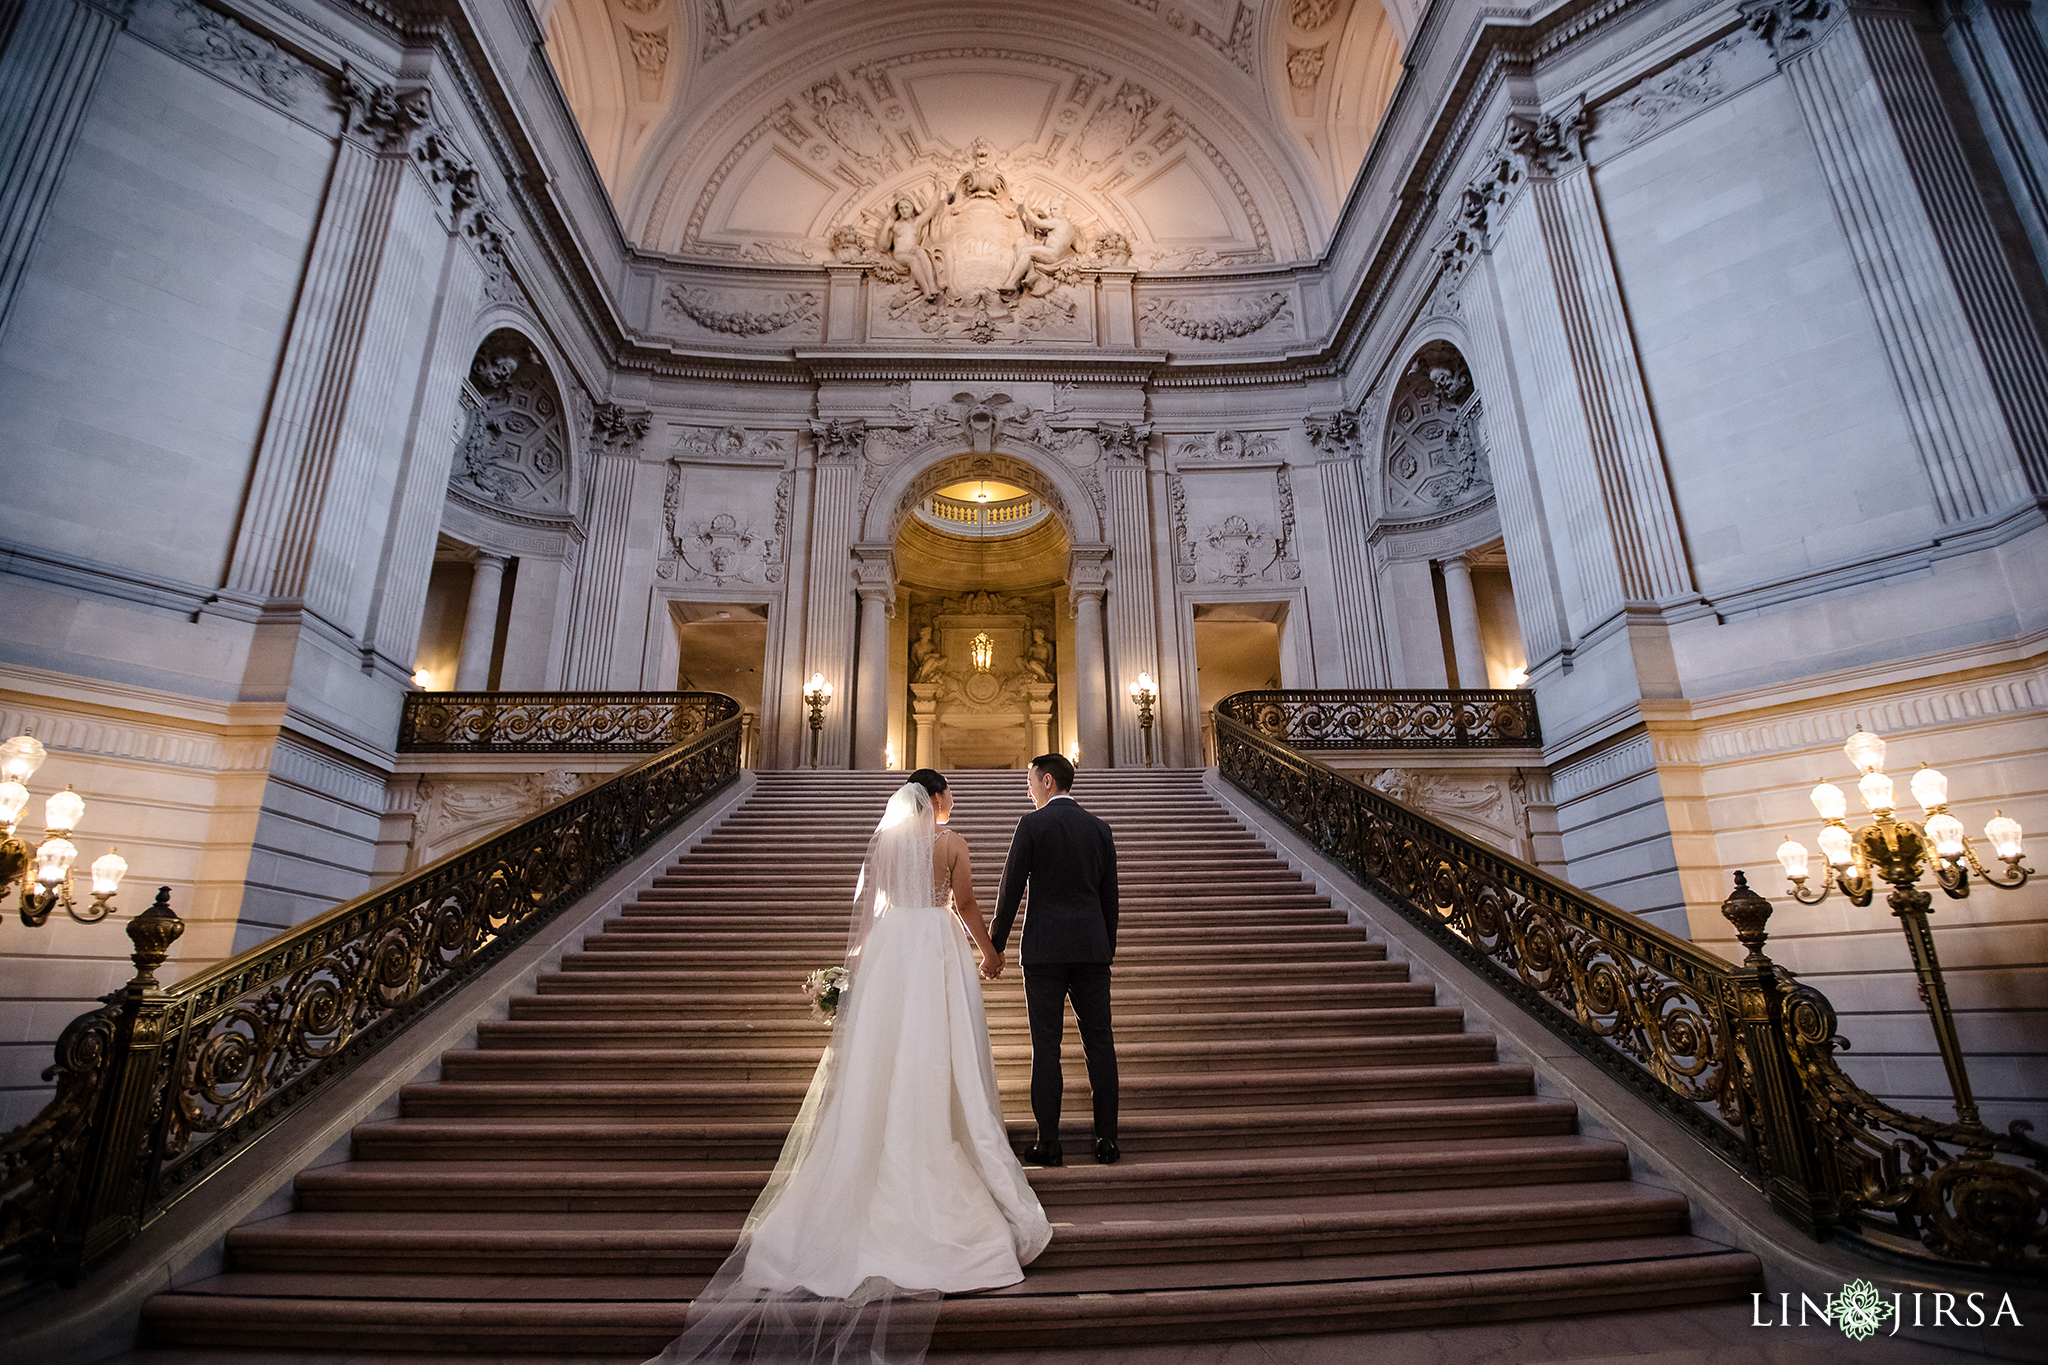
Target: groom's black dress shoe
{"points": [[1106, 1152], [1041, 1154]]}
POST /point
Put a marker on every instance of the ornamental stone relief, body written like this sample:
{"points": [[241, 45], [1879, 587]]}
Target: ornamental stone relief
{"points": [[1436, 444], [728, 445], [722, 548], [1492, 809], [1222, 319], [217, 43], [515, 448], [1702, 79], [1014, 634], [1229, 446], [743, 316]]}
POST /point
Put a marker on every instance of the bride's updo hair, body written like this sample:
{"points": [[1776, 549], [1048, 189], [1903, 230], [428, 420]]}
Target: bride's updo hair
{"points": [[930, 779]]}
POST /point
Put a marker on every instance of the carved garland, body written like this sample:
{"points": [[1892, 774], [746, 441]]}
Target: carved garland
{"points": [[1220, 321], [715, 314]]}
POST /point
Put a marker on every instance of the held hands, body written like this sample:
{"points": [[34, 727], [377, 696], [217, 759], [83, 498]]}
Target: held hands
{"points": [[991, 964]]}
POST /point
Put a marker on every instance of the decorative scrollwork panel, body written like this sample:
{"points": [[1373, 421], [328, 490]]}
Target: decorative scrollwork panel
{"points": [[556, 722], [1389, 719]]}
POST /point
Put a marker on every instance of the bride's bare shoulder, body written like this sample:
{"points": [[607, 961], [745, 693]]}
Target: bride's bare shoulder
{"points": [[950, 843]]}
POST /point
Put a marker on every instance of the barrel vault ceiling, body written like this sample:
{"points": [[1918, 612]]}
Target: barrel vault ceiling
{"points": [[1209, 133]]}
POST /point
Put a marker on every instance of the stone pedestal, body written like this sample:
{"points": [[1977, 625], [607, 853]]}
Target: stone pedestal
{"points": [[924, 714], [1040, 695]]}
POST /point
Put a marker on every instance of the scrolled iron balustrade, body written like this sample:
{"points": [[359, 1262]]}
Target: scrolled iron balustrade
{"points": [[1419, 718], [159, 1088], [1741, 1054], [556, 722]]}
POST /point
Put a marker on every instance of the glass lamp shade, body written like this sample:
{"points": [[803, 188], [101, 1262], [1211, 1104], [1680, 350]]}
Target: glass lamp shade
{"points": [[61, 812], [54, 860], [1946, 833], [1930, 788], [1829, 801], [1865, 750], [1834, 846], [1792, 857], [20, 757], [1142, 686], [2004, 833], [107, 871], [1876, 790], [13, 796]]}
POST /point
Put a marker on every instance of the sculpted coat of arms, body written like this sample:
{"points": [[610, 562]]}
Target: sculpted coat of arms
{"points": [[975, 260]]}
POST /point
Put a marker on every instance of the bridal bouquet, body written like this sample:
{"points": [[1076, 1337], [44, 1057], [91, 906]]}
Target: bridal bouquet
{"points": [[822, 988]]}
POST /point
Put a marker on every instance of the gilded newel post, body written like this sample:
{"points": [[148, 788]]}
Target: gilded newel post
{"points": [[114, 1167], [1780, 1129]]}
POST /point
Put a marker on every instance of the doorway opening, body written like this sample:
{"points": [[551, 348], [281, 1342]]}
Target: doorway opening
{"points": [[1238, 648]]}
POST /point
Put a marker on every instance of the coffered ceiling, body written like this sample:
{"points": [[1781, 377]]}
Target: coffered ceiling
{"points": [[1208, 133]]}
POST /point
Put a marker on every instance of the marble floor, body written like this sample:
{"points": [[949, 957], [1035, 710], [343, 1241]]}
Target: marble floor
{"points": [[1689, 1336]]}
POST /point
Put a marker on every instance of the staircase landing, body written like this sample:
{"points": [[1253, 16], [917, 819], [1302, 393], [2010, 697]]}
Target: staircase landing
{"points": [[1311, 1145]]}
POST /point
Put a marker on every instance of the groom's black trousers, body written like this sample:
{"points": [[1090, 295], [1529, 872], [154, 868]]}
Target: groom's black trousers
{"points": [[1047, 988]]}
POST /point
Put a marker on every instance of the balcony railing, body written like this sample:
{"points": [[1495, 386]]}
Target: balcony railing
{"points": [[160, 1089], [556, 722], [959, 517], [1389, 719], [1742, 1055]]}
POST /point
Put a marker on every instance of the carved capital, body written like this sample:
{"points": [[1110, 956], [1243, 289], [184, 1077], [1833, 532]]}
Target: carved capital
{"points": [[874, 574], [1087, 574], [1550, 145], [1788, 26], [1335, 434], [382, 115], [618, 430], [1123, 441], [840, 438]]}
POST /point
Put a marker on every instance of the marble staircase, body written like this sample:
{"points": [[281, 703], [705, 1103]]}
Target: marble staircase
{"points": [[1310, 1143]]}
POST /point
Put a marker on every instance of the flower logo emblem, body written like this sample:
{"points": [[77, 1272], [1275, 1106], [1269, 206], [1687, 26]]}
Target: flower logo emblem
{"points": [[1859, 1311]]}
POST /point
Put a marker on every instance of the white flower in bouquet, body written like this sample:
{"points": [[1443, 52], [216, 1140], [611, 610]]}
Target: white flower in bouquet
{"points": [[822, 989]]}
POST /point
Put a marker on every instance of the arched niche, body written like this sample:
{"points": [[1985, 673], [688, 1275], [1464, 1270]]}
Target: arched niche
{"points": [[917, 475], [515, 451], [1434, 449]]}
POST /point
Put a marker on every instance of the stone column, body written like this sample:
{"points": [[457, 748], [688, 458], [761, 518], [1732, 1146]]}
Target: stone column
{"points": [[828, 594], [875, 574], [1131, 612], [1466, 648], [1964, 353], [480, 625], [600, 569], [924, 713], [47, 71], [1040, 695], [1087, 575]]}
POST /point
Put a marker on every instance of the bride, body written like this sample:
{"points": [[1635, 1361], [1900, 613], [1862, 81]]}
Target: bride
{"points": [[897, 1185]]}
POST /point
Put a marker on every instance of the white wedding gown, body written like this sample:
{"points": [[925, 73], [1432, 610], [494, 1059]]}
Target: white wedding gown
{"points": [[897, 1183]]}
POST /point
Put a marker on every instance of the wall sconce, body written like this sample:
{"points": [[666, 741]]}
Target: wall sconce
{"points": [[816, 693], [422, 679], [1143, 693], [50, 886], [889, 755], [1898, 851], [982, 650], [1074, 752]]}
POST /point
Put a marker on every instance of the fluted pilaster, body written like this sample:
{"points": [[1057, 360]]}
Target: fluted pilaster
{"points": [[829, 628], [1131, 607], [600, 576], [1966, 356], [2004, 63], [47, 71], [1358, 645]]}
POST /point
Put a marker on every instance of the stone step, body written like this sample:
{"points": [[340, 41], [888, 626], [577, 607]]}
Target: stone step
{"points": [[1155, 1132], [779, 1099], [793, 1027], [560, 998], [589, 971], [481, 1186]]}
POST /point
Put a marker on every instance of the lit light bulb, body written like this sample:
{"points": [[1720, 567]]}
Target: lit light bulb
{"points": [[1947, 834], [1074, 753], [889, 755], [1876, 790], [107, 872], [2004, 833], [1829, 801], [423, 678], [13, 796], [1834, 846], [61, 812], [1142, 686], [20, 757], [1792, 857], [54, 859], [1930, 789], [1865, 750]]}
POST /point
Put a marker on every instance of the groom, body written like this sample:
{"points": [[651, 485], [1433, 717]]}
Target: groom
{"points": [[1069, 859]]}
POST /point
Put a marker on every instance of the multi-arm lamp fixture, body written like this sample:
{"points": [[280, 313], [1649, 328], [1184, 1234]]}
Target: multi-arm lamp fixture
{"points": [[1897, 850], [1144, 694], [50, 884], [816, 693]]}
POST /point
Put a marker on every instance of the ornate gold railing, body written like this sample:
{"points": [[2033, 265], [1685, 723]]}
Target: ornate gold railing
{"points": [[556, 722], [1417, 718], [159, 1088], [1741, 1054]]}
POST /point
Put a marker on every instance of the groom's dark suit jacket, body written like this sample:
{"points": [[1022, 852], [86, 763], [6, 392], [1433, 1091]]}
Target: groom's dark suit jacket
{"points": [[1069, 859]]}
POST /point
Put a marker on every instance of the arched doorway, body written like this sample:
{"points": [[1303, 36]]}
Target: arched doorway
{"points": [[975, 662]]}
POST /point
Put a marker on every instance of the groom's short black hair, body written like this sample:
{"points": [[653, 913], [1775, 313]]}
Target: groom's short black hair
{"points": [[931, 779], [1056, 764]]}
